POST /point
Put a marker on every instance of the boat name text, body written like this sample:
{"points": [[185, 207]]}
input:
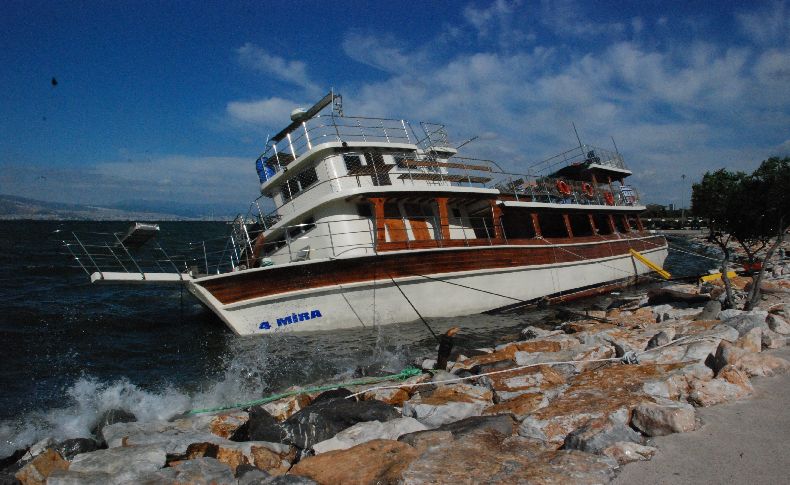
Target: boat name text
{"points": [[292, 318]]}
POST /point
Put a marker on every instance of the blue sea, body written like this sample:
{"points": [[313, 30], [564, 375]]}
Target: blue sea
{"points": [[72, 349]]}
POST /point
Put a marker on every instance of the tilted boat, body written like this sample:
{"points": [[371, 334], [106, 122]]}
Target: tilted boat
{"points": [[378, 221]]}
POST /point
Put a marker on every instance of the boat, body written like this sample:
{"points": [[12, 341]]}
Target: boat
{"points": [[370, 221]]}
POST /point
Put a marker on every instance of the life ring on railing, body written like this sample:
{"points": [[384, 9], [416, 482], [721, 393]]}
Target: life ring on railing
{"points": [[563, 187], [609, 198], [587, 189]]}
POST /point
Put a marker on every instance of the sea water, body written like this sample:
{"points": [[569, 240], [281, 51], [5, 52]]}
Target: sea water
{"points": [[72, 350]]}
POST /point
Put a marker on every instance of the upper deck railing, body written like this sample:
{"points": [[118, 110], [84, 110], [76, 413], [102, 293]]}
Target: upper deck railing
{"points": [[583, 154], [331, 128]]}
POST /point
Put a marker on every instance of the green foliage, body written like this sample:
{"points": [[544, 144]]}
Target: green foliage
{"points": [[714, 195]]}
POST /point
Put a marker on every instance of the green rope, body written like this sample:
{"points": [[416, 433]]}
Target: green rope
{"points": [[402, 375]]}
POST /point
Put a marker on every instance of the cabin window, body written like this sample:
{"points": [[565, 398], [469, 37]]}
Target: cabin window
{"points": [[632, 222], [552, 225], [299, 183], [602, 224], [364, 210], [580, 225], [518, 224], [352, 162], [400, 160], [619, 223], [380, 175]]}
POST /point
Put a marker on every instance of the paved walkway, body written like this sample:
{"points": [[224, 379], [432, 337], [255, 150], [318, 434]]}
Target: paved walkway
{"points": [[742, 442]]}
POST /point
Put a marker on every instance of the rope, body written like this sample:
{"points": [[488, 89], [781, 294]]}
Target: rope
{"points": [[414, 308], [402, 375]]}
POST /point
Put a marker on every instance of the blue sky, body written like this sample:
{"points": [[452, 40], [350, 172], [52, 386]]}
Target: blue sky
{"points": [[173, 100]]}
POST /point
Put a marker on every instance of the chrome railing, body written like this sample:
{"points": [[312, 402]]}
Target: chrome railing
{"points": [[578, 155]]}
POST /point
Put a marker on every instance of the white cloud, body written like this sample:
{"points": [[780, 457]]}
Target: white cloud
{"points": [[566, 18], [768, 25], [271, 112], [382, 53], [294, 72]]}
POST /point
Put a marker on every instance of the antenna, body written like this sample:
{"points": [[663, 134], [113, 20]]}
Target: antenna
{"points": [[468, 141], [577, 135], [615, 145]]}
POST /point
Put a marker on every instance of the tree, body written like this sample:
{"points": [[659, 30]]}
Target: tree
{"points": [[752, 210], [712, 199]]}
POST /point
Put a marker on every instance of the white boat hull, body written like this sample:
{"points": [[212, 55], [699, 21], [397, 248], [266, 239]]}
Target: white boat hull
{"points": [[383, 302]]}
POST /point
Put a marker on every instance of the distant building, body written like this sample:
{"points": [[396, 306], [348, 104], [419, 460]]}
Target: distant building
{"points": [[671, 207]]}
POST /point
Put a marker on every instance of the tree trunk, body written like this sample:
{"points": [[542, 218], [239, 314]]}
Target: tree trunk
{"points": [[754, 293], [729, 302]]}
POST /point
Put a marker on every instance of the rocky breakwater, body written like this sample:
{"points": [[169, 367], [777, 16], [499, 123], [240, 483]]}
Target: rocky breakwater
{"points": [[569, 405]]}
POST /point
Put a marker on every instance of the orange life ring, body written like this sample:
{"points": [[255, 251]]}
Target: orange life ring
{"points": [[563, 187], [587, 189], [609, 198]]}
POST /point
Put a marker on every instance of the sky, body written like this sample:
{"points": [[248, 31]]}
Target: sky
{"points": [[172, 101]]}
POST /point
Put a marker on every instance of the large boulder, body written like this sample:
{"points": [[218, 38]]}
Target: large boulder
{"points": [[377, 461], [752, 364], [447, 404], [273, 458], [751, 341], [778, 324], [597, 435], [369, 431], [122, 464], [284, 408], [260, 426], [41, 467], [323, 420], [70, 448], [747, 321], [508, 385], [663, 417], [729, 385], [197, 471], [111, 416], [489, 457]]}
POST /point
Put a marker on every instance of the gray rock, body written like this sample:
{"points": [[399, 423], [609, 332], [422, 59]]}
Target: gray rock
{"points": [[197, 471], [747, 321], [778, 324], [109, 417], [710, 312], [367, 431], [625, 452], [663, 417], [70, 448], [598, 435], [319, 422], [248, 474], [123, 463], [530, 333], [773, 340], [70, 477], [659, 339], [730, 313]]}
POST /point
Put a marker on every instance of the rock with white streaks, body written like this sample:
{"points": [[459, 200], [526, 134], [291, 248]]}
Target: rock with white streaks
{"points": [[628, 452], [368, 431], [447, 404]]}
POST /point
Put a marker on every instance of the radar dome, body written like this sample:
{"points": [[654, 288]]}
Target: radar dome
{"points": [[299, 114]]}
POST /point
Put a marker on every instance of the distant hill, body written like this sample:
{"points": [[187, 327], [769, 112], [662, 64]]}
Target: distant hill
{"points": [[181, 209], [13, 207]]}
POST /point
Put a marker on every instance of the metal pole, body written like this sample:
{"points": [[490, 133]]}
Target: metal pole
{"points": [[78, 259], [128, 254], [331, 241], [205, 256]]}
